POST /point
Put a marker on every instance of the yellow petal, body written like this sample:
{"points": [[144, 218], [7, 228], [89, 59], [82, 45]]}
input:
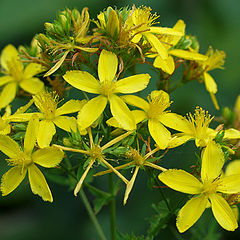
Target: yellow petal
{"points": [[48, 157], [9, 147], [107, 66], [132, 84], [91, 111], [179, 26], [9, 54], [176, 122], [6, 130], [22, 117], [194, 56], [229, 184], [210, 84], [191, 212], [223, 213], [11, 179], [45, 133], [31, 134], [167, 65], [231, 133], [5, 79], [70, 107], [214, 100], [136, 102], [165, 30], [159, 133], [178, 140], [57, 64], [233, 168], [66, 123], [8, 94], [130, 185], [38, 183], [32, 85], [121, 113], [85, 49], [83, 81], [155, 42], [32, 69], [181, 181], [212, 161]]}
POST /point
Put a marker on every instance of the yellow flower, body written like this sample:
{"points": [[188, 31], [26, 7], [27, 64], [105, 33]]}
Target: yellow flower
{"points": [[16, 75], [155, 111], [50, 116], [169, 41], [138, 161], [196, 127], [141, 21], [5, 127], [96, 153], [106, 88], [214, 60], [208, 190], [25, 160]]}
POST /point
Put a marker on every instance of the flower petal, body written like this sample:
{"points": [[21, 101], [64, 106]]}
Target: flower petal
{"points": [[138, 116], [194, 56], [32, 69], [210, 84], [5, 79], [31, 134], [45, 133], [48, 157], [176, 122], [8, 94], [121, 113], [11, 179], [132, 84], [91, 111], [178, 140], [38, 183], [107, 66], [136, 102], [223, 213], [159, 133], [191, 212], [231, 133], [167, 65], [66, 123], [181, 181], [32, 85], [70, 107], [229, 184], [9, 147], [233, 168], [82, 80], [165, 30], [9, 54], [212, 161], [155, 42]]}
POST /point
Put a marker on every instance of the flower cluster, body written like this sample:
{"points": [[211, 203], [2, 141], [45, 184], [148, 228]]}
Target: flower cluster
{"points": [[111, 125]]}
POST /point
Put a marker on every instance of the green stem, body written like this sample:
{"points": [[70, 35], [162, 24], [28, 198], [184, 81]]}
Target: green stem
{"points": [[112, 208], [92, 215]]}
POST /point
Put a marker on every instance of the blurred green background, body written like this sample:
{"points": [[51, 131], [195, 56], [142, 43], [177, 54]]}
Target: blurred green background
{"points": [[214, 22]]}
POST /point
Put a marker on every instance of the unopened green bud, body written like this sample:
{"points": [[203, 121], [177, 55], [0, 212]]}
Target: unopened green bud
{"points": [[67, 142]]}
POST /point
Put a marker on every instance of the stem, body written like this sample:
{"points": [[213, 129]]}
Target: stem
{"points": [[71, 149], [92, 215], [112, 208]]}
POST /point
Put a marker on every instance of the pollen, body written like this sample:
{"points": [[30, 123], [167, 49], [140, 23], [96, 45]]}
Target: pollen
{"points": [[210, 187], [158, 103], [107, 88], [199, 122], [21, 160], [46, 102]]}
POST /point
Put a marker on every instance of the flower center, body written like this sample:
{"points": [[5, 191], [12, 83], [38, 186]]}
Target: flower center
{"points": [[158, 102], [134, 154], [199, 123], [47, 103], [21, 160], [96, 152], [210, 187], [15, 70], [107, 88]]}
